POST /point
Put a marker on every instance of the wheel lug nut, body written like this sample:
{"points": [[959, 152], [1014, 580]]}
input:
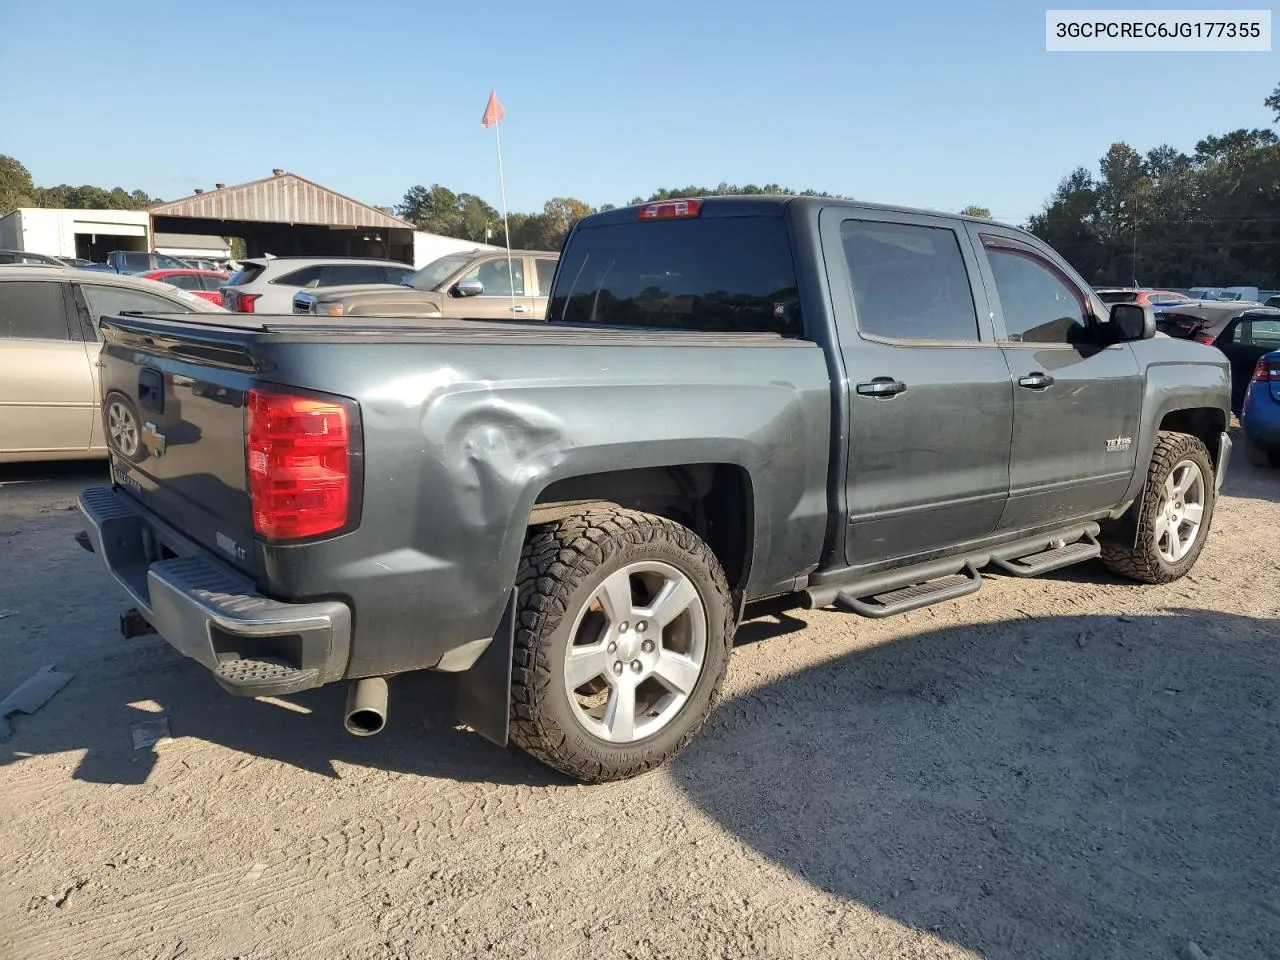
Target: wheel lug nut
{"points": [[636, 666], [647, 646], [623, 626], [642, 626], [613, 647], [617, 666]]}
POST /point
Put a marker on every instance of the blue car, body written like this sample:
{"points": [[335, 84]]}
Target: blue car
{"points": [[1260, 416]]}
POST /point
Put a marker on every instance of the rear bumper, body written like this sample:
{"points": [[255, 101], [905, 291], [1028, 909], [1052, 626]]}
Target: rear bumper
{"points": [[254, 645]]}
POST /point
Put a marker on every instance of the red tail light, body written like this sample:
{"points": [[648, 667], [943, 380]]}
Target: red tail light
{"points": [[670, 209], [1266, 371], [244, 301], [1203, 338], [302, 456]]}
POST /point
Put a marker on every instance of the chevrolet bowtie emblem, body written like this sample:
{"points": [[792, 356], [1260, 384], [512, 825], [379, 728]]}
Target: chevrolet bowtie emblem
{"points": [[153, 439]]}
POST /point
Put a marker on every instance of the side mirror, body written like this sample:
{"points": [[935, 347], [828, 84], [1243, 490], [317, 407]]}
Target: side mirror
{"points": [[1131, 321], [468, 288]]}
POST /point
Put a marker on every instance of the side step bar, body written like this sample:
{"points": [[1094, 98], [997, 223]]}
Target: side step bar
{"points": [[913, 597], [900, 589], [1052, 559]]}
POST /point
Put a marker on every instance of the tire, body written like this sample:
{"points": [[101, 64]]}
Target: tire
{"points": [[118, 413], [569, 606], [1147, 561], [1267, 458]]}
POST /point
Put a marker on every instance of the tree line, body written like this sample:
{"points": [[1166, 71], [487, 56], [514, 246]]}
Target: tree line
{"points": [[1172, 219], [17, 189]]}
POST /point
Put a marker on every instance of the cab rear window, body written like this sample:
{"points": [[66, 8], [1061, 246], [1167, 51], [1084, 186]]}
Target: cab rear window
{"points": [[714, 274]]}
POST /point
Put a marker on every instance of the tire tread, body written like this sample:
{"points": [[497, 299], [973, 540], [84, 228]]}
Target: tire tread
{"points": [[555, 560]]}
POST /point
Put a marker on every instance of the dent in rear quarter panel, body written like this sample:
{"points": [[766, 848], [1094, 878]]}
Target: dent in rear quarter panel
{"points": [[1180, 375], [456, 454]]}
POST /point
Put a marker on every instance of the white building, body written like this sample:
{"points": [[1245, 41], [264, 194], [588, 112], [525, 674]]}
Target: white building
{"points": [[89, 234], [432, 246], [192, 246]]}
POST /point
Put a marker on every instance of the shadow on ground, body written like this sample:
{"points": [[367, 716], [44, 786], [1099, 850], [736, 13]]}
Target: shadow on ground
{"points": [[1064, 787], [420, 738]]}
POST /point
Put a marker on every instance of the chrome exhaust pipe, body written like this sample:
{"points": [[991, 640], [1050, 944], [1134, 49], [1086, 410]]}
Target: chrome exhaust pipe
{"points": [[366, 712]]}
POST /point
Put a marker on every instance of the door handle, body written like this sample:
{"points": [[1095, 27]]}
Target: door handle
{"points": [[881, 387], [519, 308], [1035, 381]]}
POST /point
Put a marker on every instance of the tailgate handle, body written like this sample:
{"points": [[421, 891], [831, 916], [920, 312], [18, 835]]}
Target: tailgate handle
{"points": [[151, 390]]}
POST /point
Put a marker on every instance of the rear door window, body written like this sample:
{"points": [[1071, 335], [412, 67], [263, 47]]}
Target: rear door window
{"points": [[300, 277], [341, 274], [32, 310], [711, 274], [909, 281], [184, 281], [1260, 333]]}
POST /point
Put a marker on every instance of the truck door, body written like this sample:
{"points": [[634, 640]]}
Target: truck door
{"points": [[929, 395], [1076, 402], [505, 293]]}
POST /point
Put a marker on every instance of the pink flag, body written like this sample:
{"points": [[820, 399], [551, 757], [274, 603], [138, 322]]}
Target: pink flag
{"points": [[493, 111]]}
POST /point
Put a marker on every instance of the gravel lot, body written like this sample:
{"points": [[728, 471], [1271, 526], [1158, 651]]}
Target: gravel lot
{"points": [[1064, 767]]}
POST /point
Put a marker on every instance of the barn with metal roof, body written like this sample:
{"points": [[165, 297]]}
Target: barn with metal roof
{"points": [[287, 215]]}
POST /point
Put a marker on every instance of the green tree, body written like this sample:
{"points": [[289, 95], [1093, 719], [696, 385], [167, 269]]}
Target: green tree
{"points": [[16, 186], [1272, 103], [975, 211]]}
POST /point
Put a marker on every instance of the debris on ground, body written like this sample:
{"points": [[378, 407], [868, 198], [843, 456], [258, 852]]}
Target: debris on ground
{"points": [[1191, 951], [32, 694], [147, 733]]}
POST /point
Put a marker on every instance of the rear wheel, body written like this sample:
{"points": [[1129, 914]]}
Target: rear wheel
{"points": [[622, 642], [1177, 509]]}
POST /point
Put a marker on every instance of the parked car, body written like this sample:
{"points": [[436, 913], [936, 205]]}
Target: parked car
{"points": [[267, 285], [26, 258], [207, 284], [1273, 301], [482, 284], [1143, 296], [730, 399], [1243, 331], [136, 262], [1260, 413], [49, 397]]}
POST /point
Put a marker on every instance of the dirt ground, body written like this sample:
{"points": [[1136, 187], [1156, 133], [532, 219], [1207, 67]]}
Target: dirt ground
{"points": [[1065, 767]]}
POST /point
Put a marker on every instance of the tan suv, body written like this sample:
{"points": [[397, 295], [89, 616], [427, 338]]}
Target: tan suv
{"points": [[478, 284], [49, 399]]}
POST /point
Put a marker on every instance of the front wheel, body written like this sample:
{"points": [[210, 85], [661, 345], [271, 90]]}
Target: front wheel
{"points": [[1177, 509], [622, 642]]}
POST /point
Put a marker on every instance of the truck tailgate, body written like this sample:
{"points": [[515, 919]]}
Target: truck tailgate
{"points": [[175, 416]]}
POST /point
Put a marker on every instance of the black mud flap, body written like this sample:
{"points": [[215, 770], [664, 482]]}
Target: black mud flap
{"points": [[483, 693]]}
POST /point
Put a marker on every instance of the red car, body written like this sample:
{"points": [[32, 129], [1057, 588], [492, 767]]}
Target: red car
{"points": [[203, 283]]}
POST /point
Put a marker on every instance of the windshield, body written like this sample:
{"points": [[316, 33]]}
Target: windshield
{"points": [[437, 271], [730, 274]]}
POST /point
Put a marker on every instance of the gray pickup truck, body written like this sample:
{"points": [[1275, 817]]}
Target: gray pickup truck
{"points": [[730, 399]]}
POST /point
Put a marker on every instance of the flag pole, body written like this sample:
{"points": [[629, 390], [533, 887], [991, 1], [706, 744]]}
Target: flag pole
{"points": [[506, 226]]}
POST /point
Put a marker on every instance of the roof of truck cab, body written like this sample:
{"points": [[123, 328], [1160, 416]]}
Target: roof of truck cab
{"points": [[774, 204]]}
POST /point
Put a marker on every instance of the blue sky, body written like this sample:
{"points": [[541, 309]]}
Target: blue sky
{"points": [[934, 104]]}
